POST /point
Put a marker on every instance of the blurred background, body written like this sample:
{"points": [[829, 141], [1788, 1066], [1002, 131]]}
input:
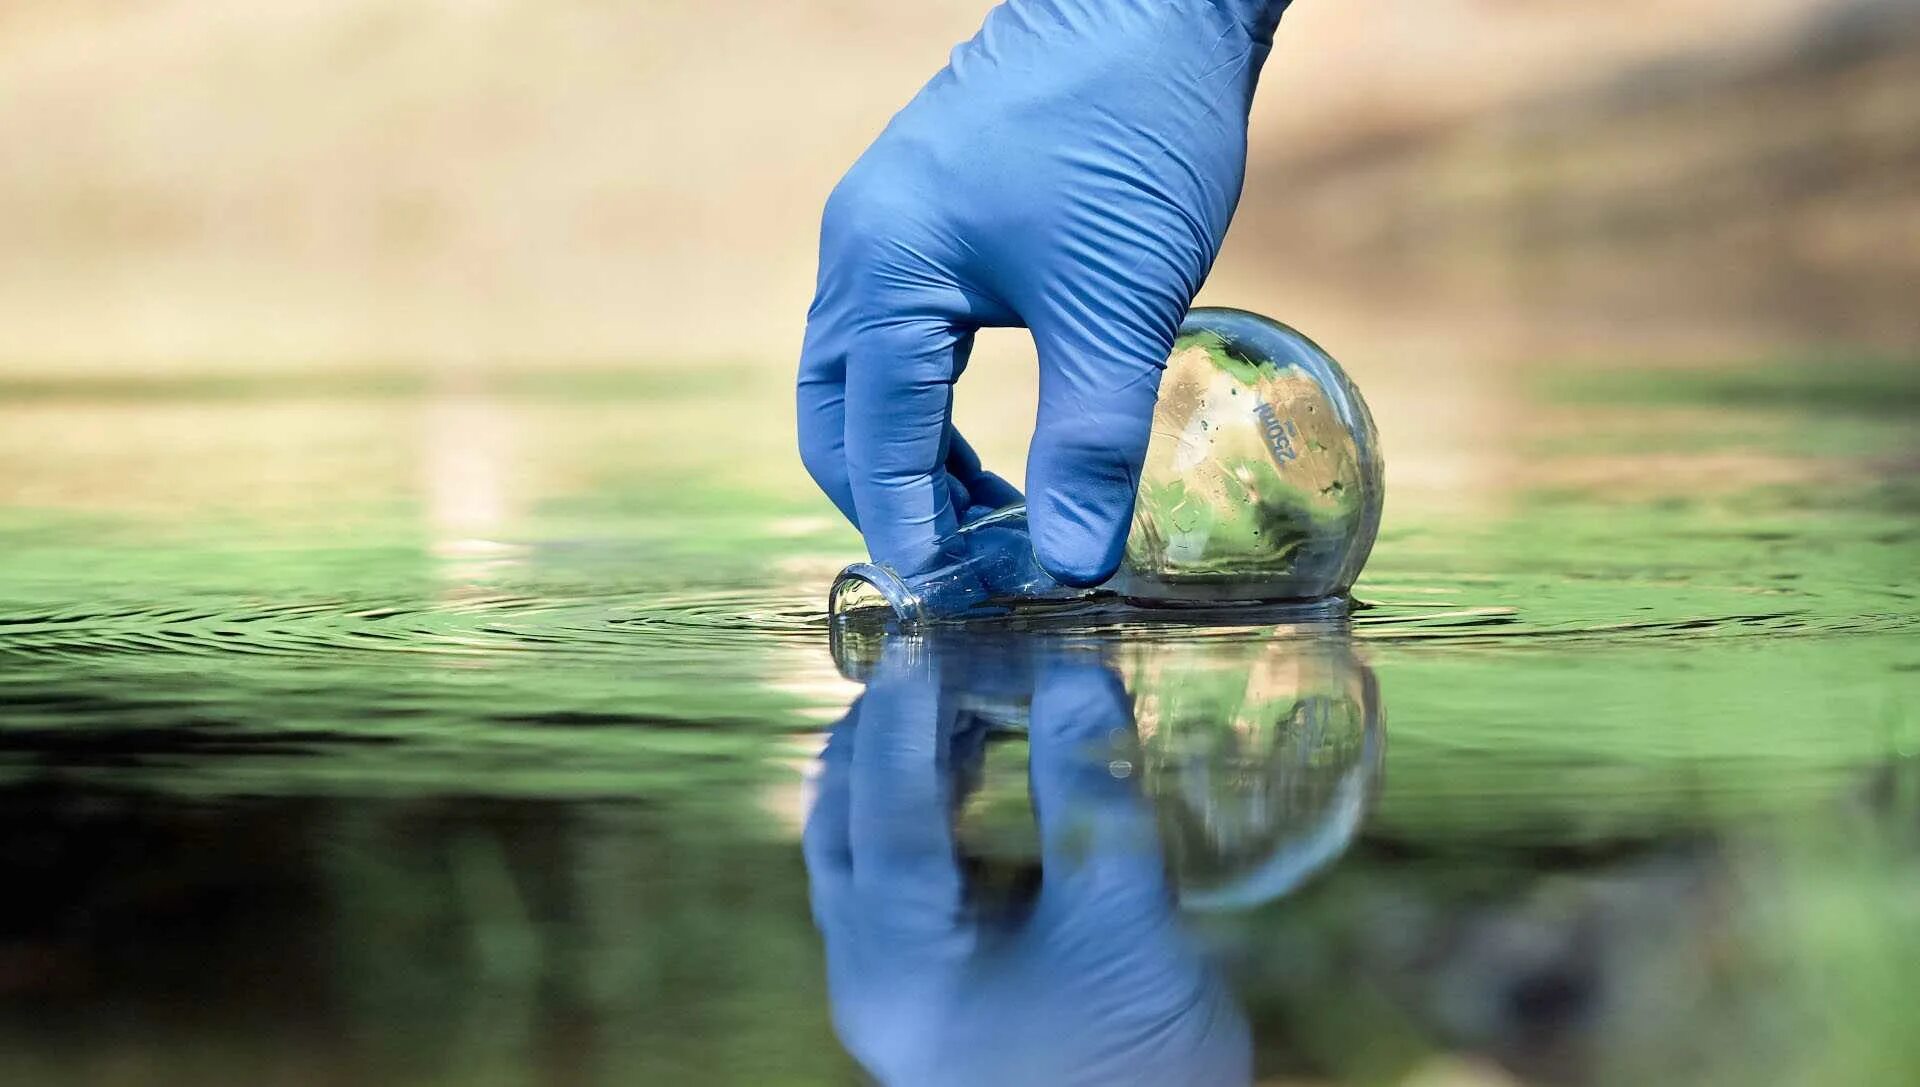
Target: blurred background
{"points": [[217, 184]]}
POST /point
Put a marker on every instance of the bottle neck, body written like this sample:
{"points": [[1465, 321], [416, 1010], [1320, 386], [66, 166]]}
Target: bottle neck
{"points": [[868, 592]]}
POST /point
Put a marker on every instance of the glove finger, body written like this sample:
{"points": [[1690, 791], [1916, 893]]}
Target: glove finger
{"points": [[820, 400], [899, 396], [985, 490], [1099, 381], [964, 505]]}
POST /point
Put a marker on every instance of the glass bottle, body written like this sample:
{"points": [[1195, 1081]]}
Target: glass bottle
{"points": [[1263, 482]]}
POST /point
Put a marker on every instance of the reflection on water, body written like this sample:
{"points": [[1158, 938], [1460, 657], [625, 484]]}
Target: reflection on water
{"points": [[1087, 978], [1255, 765], [388, 735]]}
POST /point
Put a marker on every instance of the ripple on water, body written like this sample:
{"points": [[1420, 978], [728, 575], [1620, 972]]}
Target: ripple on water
{"points": [[1622, 611], [465, 625], [1464, 611]]}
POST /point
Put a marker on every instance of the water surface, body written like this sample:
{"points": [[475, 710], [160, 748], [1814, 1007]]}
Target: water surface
{"points": [[421, 731]]}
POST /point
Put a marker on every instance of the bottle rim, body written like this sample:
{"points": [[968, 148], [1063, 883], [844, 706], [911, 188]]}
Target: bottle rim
{"points": [[893, 589]]}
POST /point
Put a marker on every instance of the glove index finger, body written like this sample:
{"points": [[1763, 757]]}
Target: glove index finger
{"points": [[899, 400], [820, 407], [978, 492]]}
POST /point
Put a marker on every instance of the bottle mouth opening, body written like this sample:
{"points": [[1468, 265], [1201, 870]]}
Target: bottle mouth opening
{"points": [[866, 593]]}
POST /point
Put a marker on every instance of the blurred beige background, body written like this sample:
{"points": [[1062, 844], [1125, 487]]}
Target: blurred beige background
{"points": [[216, 184]]}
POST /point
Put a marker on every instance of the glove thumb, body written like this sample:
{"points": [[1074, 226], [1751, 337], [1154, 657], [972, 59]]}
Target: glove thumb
{"points": [[1097, 395]]}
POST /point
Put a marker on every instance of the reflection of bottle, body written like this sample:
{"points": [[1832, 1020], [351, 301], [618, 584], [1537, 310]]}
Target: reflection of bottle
{"points": [[1262, 482], [1262, 760], [1260, 757]]}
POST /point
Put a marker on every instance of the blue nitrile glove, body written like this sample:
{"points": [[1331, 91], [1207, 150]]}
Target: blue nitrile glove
{"points": [[1096, 984], [1072, 171]]}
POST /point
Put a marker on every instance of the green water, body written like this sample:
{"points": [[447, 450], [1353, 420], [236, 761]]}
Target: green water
{"points": [[367, 730]]}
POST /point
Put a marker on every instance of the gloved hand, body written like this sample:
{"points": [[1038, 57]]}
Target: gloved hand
{"points": [[1097, 983], [1071, 171]]}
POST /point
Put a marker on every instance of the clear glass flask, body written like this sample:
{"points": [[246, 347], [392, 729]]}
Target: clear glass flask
{"points": [[1263, 482]]}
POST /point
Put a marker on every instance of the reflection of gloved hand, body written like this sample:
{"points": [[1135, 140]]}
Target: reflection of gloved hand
{"points": [[1072, 170], [1096, 985]]}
